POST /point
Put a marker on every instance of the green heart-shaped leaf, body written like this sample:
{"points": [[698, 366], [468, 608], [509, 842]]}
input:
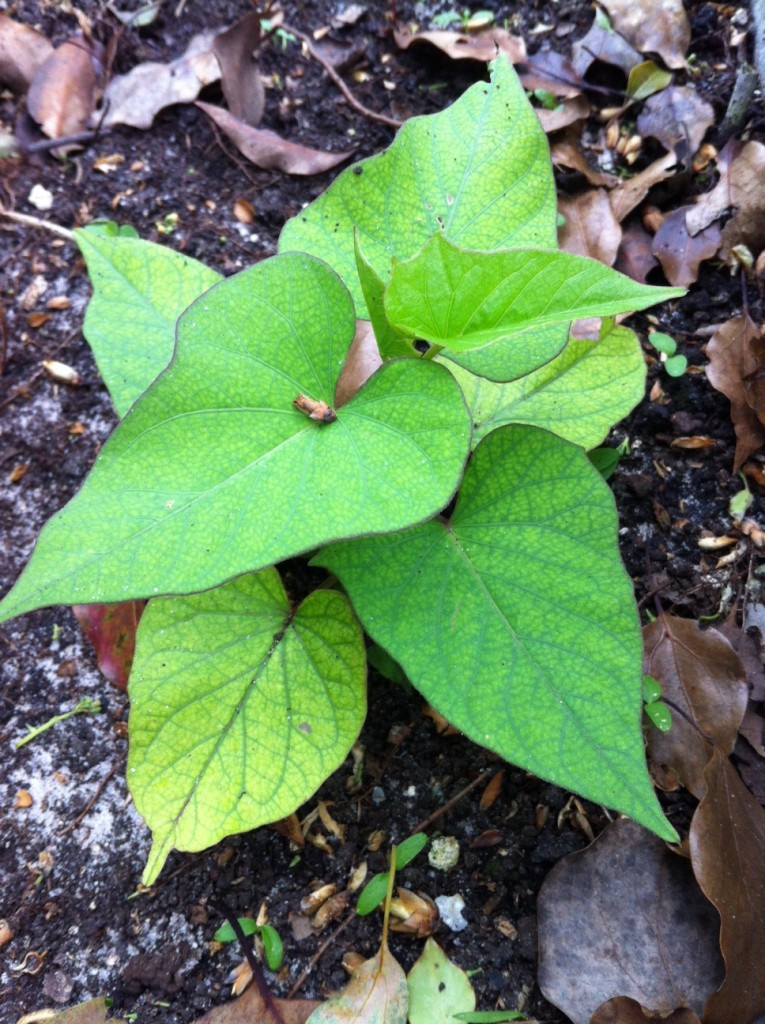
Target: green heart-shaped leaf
{"points": [[465, 299], [139, 291], [240, 707], [514, 358], [579, 395], [516, 619], [213, 472], [479, 171]]}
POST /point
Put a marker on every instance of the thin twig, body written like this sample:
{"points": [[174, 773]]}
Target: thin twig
{"points": [[64, 140], [92, 802], [222, 908], [454, 800], [305, 973], [36, 222], [350, 99]]}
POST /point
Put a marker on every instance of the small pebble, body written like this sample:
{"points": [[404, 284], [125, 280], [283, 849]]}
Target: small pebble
{"points": [[450, 908], [378, 795], [444, 853], [41, 198]]}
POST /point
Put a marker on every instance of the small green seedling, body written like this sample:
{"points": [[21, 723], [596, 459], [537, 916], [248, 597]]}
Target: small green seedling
{"points": [[674, 363], [740, 502], [654, 706], [273, 948], [467, 20], [374, 891], [605, 460], [85, 706]]}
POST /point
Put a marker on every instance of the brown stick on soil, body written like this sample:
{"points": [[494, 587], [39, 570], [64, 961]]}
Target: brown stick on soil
{"points": [[36, 222], [350, 99]]}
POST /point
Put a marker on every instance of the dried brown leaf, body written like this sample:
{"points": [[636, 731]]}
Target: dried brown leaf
{"points": [[550, 70], [653, 26], [361, 362], [625, 918], [23, 51], [606, 46], [376, 994], [635, 257], [727, 843], [240, 76], [736, 355], [63, 92], [701, 674], [270, 151], [137, 97], [713, 204], [566, 152], [566, 113], [249, 1009], [679, 118], [628, 194], [591, 228], [492, 790], [680, 253], [622, 1010], [482, 46], [747, 191]]}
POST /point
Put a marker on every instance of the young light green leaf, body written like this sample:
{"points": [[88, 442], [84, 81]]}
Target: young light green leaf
{"points": [[437, 988], [376, 994], [532, 644], [651, 689], [390, 343], [139, 291], [226, 933], [273, 949], [372, 894], [514, 357], [240, 708], [214, 473], [660, 715], [579, 395], [676, 365], [409, 849], [479, 171], [463, 299]]}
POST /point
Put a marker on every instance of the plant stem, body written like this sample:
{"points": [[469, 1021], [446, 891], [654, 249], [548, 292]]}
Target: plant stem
{"points": [[257, 972], [87, 706]]}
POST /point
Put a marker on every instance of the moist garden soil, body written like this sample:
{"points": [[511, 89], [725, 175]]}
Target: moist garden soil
{"points": [[73, 847]]}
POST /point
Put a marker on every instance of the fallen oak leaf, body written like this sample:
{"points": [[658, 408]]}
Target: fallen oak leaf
{"points": [[679, 118], [564, 114], [635, 257], [681, 253], [727, 845], [622, 1010], [590, 227], [23, 50], [712, 205], [249, 1009], [630, 193], [702, 676], [735, 354], [270, 151], [747, 225], [565, 152]]}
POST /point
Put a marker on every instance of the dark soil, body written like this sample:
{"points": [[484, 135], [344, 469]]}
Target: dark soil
{"points": [[71, 862]]}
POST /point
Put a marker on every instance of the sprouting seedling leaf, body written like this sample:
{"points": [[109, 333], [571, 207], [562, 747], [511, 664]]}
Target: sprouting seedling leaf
{"points": [[465, 299], [674, 363], [605, 460], [740, 502], [272, 943], [659, 714], [377, 992], [651, 690], [374, 891], [438, 989]]}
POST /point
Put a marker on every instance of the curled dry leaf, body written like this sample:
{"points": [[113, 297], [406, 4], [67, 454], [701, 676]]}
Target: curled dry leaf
{"points": [[628, 194], [240, 76], [460, 46], [361, 362], [747, 189], [590, 228], [550, 70], [604, 45], [680, 253], [679, 118], [625, 918], [268, 150], [111, 629], [622, 1010], [736, 358], [727, 843], [701, 674], [712, 205], [137, 97], [565, 152], [413, 913], [653, 26], [63, 92], [564, 114], [23, 50]]}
